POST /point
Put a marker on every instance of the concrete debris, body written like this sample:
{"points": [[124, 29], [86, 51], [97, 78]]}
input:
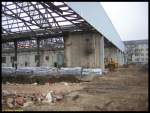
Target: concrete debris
{"points": [[57, 96], [7, 83], [65, 83], [24, 100], [49, 96], [10, 102], [35, 83], [5, 92], [19, 100], [28, 103]]}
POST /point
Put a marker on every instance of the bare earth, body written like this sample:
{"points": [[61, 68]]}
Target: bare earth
{"points": [[123, 90]]}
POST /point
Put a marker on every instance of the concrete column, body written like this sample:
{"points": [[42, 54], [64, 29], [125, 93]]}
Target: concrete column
{"points": [[84, 49], [120, 57], [124, 58], [118, 60], [102, 53]]}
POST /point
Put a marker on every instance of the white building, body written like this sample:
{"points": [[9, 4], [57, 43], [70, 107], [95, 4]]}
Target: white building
{"points": [[137, 51]]}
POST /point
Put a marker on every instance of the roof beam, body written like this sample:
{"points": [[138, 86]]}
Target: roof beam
{"points": [[41, 14], [66, 15], [46, 8], [63, 16], [5, 30], [24, 37], [28, 15], [17, 17], [54, 8]]}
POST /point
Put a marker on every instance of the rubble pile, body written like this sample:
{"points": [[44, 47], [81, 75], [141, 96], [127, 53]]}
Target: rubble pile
{"points": [[13, 100]]}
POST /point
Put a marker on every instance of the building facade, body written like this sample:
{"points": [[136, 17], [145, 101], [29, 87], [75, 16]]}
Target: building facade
{"points": [[137, 51]]}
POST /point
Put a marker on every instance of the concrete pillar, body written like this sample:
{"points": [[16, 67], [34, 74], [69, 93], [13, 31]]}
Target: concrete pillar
{"points": [[119, 58], [124, 58], [117, 53], [102, 53], [15, 58], [85, 49]]}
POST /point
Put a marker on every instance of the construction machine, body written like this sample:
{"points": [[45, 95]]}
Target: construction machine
{"points": [[110, 63]]}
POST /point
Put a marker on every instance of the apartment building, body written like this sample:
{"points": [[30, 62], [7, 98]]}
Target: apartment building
{"points": [[137, 51]]}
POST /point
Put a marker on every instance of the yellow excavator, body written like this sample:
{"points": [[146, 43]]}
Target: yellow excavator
{"points": [[110, 63]]}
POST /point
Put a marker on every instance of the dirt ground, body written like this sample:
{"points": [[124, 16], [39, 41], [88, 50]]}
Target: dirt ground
{"points": [[125, 89]]}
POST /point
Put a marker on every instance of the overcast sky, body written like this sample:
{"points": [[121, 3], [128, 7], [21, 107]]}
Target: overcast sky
{"points": [[129, 18]]}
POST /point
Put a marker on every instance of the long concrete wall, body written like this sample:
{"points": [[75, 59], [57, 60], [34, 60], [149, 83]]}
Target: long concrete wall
{"points": [[29, 58], [84, 49]]}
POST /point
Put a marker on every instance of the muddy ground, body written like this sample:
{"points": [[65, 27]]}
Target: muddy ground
{"points": [[125, 89]]}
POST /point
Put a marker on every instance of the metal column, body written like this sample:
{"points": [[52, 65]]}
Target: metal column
{"points": [[15, 58], [38, 52]]}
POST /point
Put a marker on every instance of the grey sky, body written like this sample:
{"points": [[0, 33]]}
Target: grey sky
{"points": [[129, 18]]}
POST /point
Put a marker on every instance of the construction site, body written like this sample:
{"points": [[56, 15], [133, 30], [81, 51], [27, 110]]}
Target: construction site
{"points": [[58, 57]]}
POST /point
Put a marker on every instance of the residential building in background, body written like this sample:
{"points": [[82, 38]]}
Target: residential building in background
{"points": [[137, 51]]}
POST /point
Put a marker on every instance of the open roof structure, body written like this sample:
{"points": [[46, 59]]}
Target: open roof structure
{"points": [[31, 20], [38, 19]]}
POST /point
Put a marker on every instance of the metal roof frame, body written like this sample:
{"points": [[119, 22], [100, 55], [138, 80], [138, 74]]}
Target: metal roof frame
{"points": [[31, 20], [28, 18]]}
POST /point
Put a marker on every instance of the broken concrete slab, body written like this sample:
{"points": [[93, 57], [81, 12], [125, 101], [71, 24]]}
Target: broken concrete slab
{"points": [[10, 102]]}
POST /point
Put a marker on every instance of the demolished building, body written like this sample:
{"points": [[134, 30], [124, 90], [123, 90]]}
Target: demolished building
{"points": [[86, 35]]}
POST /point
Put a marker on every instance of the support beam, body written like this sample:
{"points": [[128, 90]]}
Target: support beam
{"points": [[102, 53], [117, 54], [41, 14], [15, 58], [38, 52], [28, 15], [46, 8]]}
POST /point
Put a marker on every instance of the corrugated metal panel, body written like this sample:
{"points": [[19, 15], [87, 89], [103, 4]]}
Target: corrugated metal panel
{"points": [[95, 15]]}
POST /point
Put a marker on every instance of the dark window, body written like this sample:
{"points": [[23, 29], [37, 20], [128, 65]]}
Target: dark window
{"points": [[3, 59], [12, 58], [137, 59], [26, 63], [47, 58], [36, 58]]}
